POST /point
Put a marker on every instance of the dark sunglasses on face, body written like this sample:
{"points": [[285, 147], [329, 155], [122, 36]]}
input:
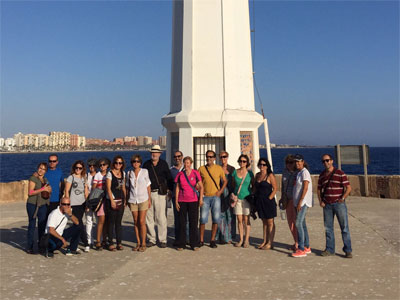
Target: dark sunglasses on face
{"points": [[135, 161], [325, 160], [177, 156], [118, 163], [223, 156], [52, 161], [210, 156], [243, 161], [102, 165], [78, 168], [262, 165], [65, 204]]}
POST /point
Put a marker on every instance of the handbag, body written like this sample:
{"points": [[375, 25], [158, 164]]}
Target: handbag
{"points": [[118, 204], [44, 240], [193, 188], [95, 199], [162, 188], [283, 202], [44, 194], [233, 197]]}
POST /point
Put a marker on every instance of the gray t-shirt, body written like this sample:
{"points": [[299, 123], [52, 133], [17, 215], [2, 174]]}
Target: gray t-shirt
{"points": [[77, 191]]}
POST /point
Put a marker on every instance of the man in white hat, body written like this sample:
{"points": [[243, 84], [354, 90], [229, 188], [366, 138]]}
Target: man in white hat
{"points": [[161, 185]]}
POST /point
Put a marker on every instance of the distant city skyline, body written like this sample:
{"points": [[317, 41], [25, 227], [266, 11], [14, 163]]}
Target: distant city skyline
{"points": [[327, 71]]}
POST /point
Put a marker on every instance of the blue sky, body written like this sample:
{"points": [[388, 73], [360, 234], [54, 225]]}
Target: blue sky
{"points": [[327, 71]]}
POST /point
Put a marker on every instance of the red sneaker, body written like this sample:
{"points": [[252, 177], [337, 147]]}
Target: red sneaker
{"points": [[307, 250], [299, 253]]}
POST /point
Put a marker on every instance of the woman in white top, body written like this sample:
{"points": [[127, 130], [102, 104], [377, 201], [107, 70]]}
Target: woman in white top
{"points": [[302, 200], [76, 189], [139, 199], [92, 164]]}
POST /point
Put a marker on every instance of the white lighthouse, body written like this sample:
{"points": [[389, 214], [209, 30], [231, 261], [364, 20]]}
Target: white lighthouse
{"points": [[212, 97]]}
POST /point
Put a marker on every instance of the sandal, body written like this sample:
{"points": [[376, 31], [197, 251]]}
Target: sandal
{"points": [[112, 248], [120, 247], [137, 248], [98, 247], [267, 247], [142, 249], [261, 246], [238, 244], [246, 245]]}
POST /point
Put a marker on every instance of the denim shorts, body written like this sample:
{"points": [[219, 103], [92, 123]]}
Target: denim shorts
{"points": [[214, 203]]}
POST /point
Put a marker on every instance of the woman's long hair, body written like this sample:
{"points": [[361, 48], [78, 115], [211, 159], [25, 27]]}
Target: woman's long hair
{"points": [[80, 162]]}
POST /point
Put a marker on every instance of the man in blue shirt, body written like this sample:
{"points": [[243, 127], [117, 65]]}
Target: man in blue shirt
{"points": [[56, 179]]}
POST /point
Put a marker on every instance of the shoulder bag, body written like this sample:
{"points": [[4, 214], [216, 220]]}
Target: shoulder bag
{"points": [[283, 202], [44, 240], [162, 188], [212, 178], [95, 199], [234, 198], [326, 185], [193, 188]]}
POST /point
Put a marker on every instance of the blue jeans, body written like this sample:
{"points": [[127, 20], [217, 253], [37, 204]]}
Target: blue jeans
{"points": [[71, 233], [42, 219], [302, 228], [340, 210], [214, 203]]}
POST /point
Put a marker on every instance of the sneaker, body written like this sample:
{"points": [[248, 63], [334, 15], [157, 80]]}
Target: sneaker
{"points": [[307, 250], [68, 252], [87, 249], [349, 255], [213, 244], [299, 253], [327, 253], [150, 244], [78, 250], [49, 254], [163, 245]]}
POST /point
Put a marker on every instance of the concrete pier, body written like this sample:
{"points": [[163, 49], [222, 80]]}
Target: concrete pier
{"points": [[223, 273]]}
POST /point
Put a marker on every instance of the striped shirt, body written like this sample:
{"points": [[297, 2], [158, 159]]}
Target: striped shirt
{"points": [[333, 190]]}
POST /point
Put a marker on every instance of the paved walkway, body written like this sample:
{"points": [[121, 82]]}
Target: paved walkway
{"points": [[222, 273]]}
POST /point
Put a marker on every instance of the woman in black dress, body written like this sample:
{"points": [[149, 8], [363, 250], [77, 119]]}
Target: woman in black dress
{"points": [[265, 190]]}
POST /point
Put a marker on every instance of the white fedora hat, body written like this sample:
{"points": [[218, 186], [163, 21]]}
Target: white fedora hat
{"points": [[156, 149]]}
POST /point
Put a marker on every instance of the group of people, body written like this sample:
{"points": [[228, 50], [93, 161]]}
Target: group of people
{"points": [[232, 195]]}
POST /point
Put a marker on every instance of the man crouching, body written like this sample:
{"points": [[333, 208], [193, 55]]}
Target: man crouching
{"points": [[56, 223]]}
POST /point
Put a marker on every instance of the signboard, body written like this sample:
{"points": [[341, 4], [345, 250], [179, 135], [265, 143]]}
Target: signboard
{"points": [[351, 155], [246, 144], [354, 155]]}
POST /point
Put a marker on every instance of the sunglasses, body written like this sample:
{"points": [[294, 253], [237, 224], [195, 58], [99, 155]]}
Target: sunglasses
{"points": [[325, 160], [118, 163], [262, 165], [91, 166], [65, 204], [177, 156], [78, 168], [223, 156], [52, 161], [135, 161], [102, 165], [243, 161], [210, 156]]}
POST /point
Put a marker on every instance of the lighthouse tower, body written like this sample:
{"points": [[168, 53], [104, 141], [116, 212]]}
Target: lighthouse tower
{"points": [[212, 97]]}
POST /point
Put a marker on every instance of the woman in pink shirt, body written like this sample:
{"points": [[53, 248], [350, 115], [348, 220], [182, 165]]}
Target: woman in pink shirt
{"points": [[188, 197]]}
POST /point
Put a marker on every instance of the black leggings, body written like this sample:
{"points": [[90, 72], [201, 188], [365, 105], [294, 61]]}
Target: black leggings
{"points": [[190, 209], [114, 218], [78, 211]]}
